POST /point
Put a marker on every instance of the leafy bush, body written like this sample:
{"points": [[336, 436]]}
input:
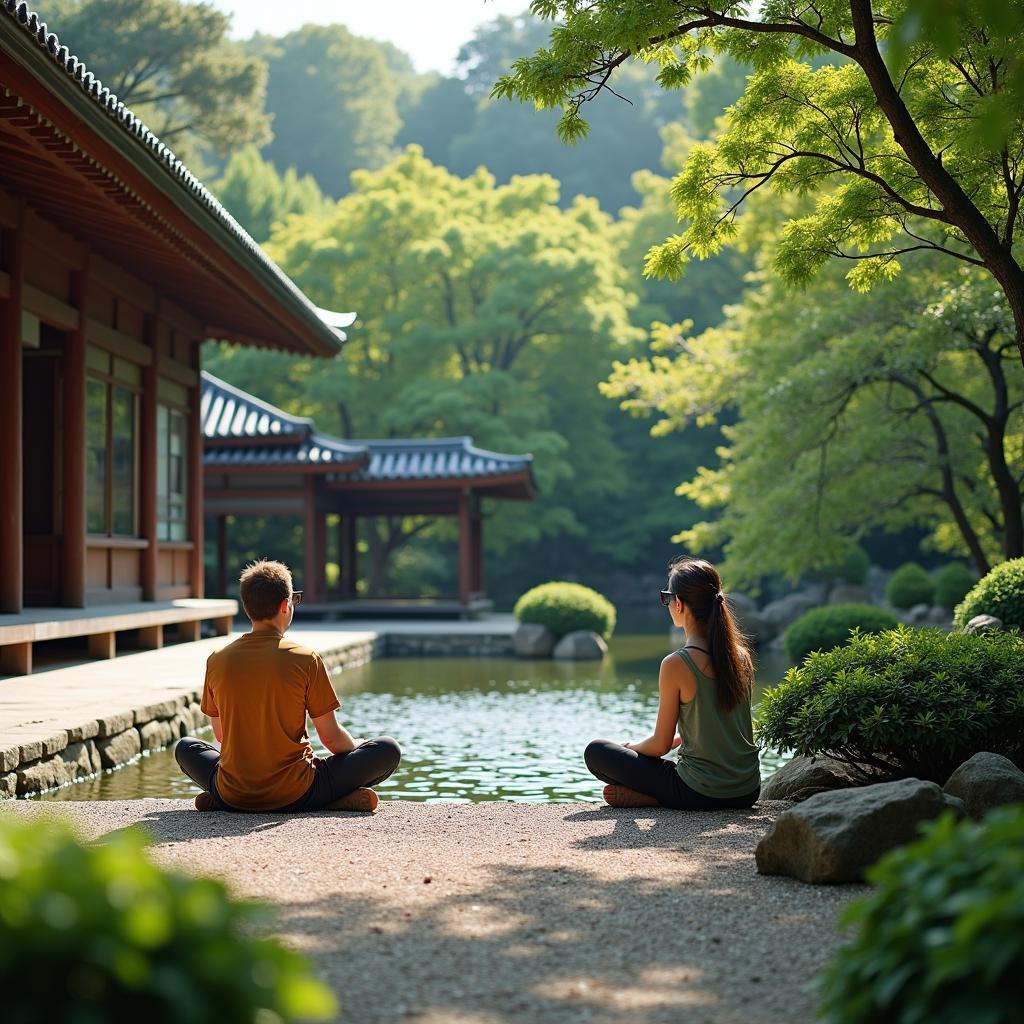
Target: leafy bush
{"points": [[1000, 593], [910, 585], [564, 607], [821, 629], [952, 582], [852, 568], [98, 933], [915, 703], [941, 938]]}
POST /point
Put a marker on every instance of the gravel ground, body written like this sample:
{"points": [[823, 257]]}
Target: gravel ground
{"points": [[498, 912]]}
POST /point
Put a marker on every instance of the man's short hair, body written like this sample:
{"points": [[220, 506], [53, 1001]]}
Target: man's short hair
{"points": [[263, 585]]}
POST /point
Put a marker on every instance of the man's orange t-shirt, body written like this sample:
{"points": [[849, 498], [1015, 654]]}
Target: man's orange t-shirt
{"points": [[260, 687]]}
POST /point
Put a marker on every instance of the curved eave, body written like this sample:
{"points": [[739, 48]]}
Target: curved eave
{"points": [[515, 486]]}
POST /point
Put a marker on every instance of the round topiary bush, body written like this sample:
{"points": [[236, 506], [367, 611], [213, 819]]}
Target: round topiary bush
{"points": [[851, 568], [913, 703], [941, 937], [1000, 593], [564, 607], [952, 582], [821, 629], [910, 585], [99, 933]]}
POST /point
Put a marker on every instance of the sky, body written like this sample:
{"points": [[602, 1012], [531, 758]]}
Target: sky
{"points": [[431, 33]]}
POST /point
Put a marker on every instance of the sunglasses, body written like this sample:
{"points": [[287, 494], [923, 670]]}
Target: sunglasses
{"points": [[296, 597], [667, 597]]}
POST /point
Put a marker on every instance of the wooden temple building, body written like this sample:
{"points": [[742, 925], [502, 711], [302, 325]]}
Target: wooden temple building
{"points": [[259, 460], [115, 265]]}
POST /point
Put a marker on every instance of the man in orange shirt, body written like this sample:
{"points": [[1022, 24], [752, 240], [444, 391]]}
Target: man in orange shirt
{"points": [[257, 693]]}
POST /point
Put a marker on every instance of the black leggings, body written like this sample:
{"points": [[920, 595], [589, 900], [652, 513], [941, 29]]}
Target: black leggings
{"points": [[654, 776], [336, 776]]}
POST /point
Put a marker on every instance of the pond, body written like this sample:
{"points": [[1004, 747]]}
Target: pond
{"points": [[473, 729]]}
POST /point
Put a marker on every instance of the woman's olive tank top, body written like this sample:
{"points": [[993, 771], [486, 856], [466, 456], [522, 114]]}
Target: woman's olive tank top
{"points": [[717, 756]]}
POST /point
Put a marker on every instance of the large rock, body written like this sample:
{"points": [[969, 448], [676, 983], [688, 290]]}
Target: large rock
{"points": [[985, 781], [531, 640], [983, 624], [833, 837], [581, 645], [849, 593], [939, 616], [156, 734], [43, 775], [119, 749], [750, 620], [917, 615], [786, 610], [802, 777], [81, 759], [8, 786]]}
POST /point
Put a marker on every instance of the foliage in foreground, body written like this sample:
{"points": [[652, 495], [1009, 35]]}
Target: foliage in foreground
{"points": [[914, 703], [941, 938], [1000, 593], [92, 934], [910, 585], [821, 629], [565, 607]]}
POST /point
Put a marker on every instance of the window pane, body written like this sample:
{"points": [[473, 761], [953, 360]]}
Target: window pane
{"points": [[95, 456], [123, 461]]}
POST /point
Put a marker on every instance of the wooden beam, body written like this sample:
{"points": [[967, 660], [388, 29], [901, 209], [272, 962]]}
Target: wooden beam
{"points": [[119, 281], [12, 248], [349, 554], [118, 342], [222, 555], [151, 638], [59, 245], [49, 309], [5, 285], [309, 549], [103, 645], [465, 547], [177, 372], [194, 466], [73, 574], [16, 659], [149, 463]]}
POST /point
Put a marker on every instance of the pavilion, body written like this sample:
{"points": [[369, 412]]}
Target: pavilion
{"points": [[115, 265], [259, 460]]}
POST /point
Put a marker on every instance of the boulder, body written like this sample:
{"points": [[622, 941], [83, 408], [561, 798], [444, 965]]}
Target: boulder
{"points": [[156, 734], [8, 786], [119, 749], [939, 616], [849, 593], [877, 583], [43, 775], [786, 610], [581, 645], [531, 640], [81, 759], [750, 620], [985, 781], [802, 777], [833, 837], [917, 615], [983, 624]]}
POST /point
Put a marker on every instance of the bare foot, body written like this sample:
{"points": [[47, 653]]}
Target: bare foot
{"points": [[357, 800], [623, 796]]}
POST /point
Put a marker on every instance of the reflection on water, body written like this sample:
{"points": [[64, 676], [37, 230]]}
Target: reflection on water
{"points": [[473, 728]]}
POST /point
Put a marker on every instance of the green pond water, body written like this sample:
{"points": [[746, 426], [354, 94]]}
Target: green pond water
{"points": [[473, 728]]}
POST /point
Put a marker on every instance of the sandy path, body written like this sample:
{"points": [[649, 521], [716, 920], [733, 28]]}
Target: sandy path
{"points": [[494, 913]]}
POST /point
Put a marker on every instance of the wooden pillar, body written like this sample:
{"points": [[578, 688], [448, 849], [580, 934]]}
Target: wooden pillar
{"points": [[195, 491], [73, 525], [348, 552], [148, 461], [320, 539], [465, 545], [309, 570], [478, 547], [11, 478], [222, 556]]}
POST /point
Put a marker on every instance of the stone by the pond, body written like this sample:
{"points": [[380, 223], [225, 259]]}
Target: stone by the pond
{"points": [[918, 614], [41, 776], [802, 777], [751, 621], [938, 616], [786, 610], [985, 781], [119, 749], [581, 645], [157, 734], [983, 624], [833, 837], [849, 593], [8, 785], [532, 640]]}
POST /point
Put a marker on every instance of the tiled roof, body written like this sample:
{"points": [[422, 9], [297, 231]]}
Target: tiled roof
{"points": [[102, 97], [435, 459]]}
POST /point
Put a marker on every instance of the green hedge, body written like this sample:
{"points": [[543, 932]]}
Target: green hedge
{"points": [[92, 934], [910, 585], [915, 703], [565, 607], [952, 583], [940, 940], [1000, 593], [821, 629], [852, 568]]}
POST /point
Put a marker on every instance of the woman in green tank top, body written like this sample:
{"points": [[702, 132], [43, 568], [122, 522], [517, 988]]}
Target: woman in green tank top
{"points": [[704, 710]]}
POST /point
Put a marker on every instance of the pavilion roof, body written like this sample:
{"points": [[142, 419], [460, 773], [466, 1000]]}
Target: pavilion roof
{"points": [[435, 459], [284, 316]]}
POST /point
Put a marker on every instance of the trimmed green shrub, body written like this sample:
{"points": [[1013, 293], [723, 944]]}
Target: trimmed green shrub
{"points": [[823, 628], [852, 568], [564, 607], [952, 582], [98, 933], [910, 585], [1000, 593], [914, 703], [941, 938]]}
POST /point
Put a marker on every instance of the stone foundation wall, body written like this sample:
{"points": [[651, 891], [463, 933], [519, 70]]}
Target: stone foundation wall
{"points": [[459, 645]]}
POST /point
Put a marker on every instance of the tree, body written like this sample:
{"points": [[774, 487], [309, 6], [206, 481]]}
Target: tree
{"points": [[898, 145], [851, 416], [484, 310], [172, 63]]}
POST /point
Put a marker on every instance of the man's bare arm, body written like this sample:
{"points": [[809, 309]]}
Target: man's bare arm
{"points": [[333, 735], [218, 732]]}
